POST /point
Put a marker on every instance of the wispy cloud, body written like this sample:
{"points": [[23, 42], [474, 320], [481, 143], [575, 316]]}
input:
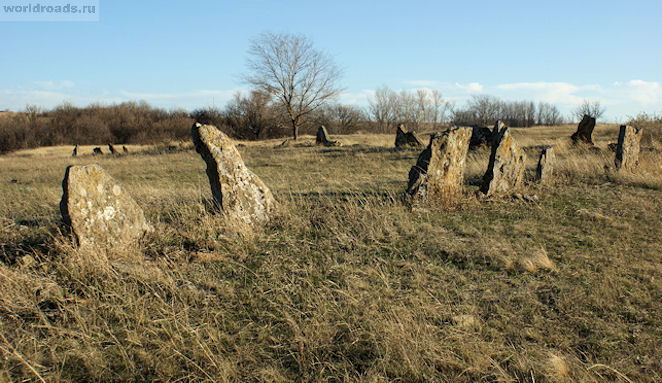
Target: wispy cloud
{"points": [[49, 94], [356, 98], [552, 92], [472, 87], [648, 93], [55, 85], [221, 95]]}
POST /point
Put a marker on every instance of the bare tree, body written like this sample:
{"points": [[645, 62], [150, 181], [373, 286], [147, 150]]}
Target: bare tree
{"points": [[291, 70], [415, 108], [592, 109], [384, 108]]}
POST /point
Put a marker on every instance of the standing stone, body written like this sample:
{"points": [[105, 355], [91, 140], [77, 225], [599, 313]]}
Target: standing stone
{"points": [[545, 164], [322, 137], [480, 135], [285, 144], [404, 138], [98, 210], [627, 149], [239, 193], [438, 174], [584, 131], [506, 167]]}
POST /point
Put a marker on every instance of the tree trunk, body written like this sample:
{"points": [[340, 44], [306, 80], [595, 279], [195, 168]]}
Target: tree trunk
{"points": [[295, 129]]}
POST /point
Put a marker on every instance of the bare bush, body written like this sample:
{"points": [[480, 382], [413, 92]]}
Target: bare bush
{"points": [[590, 108], [252, 116], [128, 122]]}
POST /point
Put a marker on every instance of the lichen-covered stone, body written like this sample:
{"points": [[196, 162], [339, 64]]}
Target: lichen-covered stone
{"points": [[584, 131], [627, 148], [239, 193], [98, 210], [506, 167], [545, 167], [322, 138], [407, 139], [438, 175]]}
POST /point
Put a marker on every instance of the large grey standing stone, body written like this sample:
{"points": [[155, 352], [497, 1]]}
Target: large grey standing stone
{"points": [[438, 175], [240, 194], [407, 139], [505, 170], [545, 167], [584, 131], [322, 138], [98, 210], [627, 148]]}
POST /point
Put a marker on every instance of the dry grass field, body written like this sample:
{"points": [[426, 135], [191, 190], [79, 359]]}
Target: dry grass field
{"points": [[346, 284]]}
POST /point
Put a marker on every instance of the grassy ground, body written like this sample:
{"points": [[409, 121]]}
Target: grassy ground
{"points": [[346, 283]]}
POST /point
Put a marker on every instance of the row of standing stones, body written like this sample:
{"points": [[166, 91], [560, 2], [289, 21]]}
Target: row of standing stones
{"points": [[101, 214]]}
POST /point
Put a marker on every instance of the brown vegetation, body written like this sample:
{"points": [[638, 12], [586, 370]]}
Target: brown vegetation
{"points": [[347, 283], [132, 123]]}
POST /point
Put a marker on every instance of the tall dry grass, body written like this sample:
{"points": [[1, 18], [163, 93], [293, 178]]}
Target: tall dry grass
{"points": [[346, 283]]}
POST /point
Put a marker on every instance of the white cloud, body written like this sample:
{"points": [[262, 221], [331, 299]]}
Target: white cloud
{"points": [[50, 94], [55, 85], [221, 95], [645, 92], [472, 87], [356, 98], [552, 92]]}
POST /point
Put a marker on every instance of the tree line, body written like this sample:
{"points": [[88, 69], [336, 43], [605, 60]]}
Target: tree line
{"points": [[255, 115], [126, 123]]}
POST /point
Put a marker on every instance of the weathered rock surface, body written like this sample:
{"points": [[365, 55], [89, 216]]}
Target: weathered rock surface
{"points": [[545, 167], [322, 138], [98, 210], [506, 167], [480, 135], [584, 131], [438, 175], [627, 148], [407, 139], [240, 194]]}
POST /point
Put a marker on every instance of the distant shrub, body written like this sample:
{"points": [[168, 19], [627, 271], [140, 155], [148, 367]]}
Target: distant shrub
{"points": [[130, 122]]}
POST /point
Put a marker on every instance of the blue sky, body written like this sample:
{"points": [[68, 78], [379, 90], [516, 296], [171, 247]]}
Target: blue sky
{"points": [[191, 54]]}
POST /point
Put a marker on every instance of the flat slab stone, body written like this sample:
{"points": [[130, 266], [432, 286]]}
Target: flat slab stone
{"points": [[98, 210], [545, 167], [438, 175], [407, 139], [322, 138], [584, 131], [505, 171], [240, 194], [480, 135], [627, 148]]}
